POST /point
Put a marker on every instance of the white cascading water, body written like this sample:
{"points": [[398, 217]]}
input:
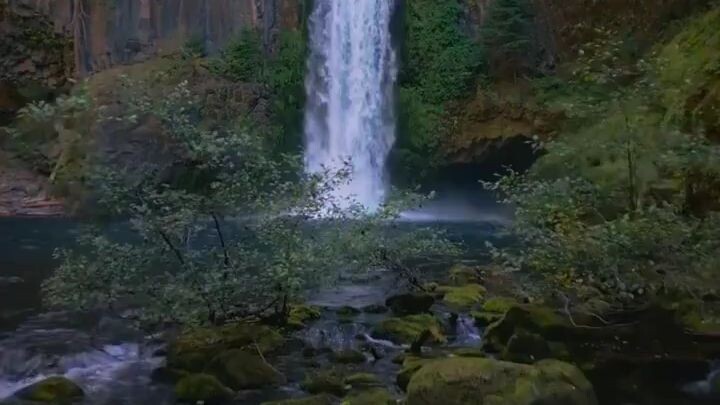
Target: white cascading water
{"points": [[349, 119]]}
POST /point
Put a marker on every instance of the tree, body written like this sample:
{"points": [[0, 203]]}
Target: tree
{"points": [[246, 238], [507, 36]]}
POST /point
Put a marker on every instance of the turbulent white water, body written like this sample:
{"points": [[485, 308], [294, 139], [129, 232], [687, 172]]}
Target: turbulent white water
{"points": [[349, 120]]}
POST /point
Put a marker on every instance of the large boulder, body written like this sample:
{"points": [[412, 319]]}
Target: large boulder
{"points": [[461, 274], [533, 319], [463, 298], [193, 350], [407, 329], [239, 369], [300, 315], [204, 388], [475, 381], [54, 390], [410, 304], [325, 382], [372, 396]]}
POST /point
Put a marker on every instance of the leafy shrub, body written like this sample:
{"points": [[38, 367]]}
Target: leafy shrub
{"points": [[246, 243]]}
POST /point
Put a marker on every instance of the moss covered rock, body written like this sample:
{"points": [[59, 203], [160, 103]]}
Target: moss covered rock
{"points": [[194, 349], [239, 369], [325, 382], [463, 298], [534, 319], [373, 396], [407, 329], [348, 356], [300, 315], [483, 318], [55, 390], [362, 380], [313, 400], [461, 274], [201, 388], [411, 303], [498, 305], [472, 381], [525, 347]]}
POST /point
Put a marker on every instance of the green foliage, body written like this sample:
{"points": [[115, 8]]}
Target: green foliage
{"points": [[51, 136], [507, 36], [242, 60], [285, 76], [688, 70], [625, 202], [281, 73], [244, 241], [440, 65]]}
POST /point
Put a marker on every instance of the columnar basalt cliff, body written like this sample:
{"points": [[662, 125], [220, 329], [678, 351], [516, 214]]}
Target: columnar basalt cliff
{"points": [[108, 33]]}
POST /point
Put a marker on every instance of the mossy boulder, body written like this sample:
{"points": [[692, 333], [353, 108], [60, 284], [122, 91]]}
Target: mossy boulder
{"points": [[461, 274], [483, 318], [204, 388], [348, 356], [410, 304], [372, 396], [300, 315], [55, 390], [193, 349], [411, 365], [407, 329], [463, 298], [498, 305], [325, 382], [526, 347], [313, 400], [362, 380], [473, 381], [348, 311], [533, 319], [239, 369]]}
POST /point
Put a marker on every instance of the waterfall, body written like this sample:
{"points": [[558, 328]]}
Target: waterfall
{"points": [[349, 118]]}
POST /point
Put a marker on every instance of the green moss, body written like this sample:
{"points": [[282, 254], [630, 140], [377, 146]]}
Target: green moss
{"points": [[410, 366], [301, 314], [524, 347], [475, 381], [362, 380], [325, 382], [57, 390], [461, 274], [485, 318], [314, 400], [534, 319], [242, 370], [499, 304], [195, 348], [374, 396], [463, 298], [688, 69], [202, 387], [405, 330]]}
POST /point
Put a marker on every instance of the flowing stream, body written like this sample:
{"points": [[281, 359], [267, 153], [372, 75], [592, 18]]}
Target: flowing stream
{"points": [[352, 70]]}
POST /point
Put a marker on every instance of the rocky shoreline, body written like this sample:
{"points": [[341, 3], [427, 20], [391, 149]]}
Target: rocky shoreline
{"points": [[415, 347]]}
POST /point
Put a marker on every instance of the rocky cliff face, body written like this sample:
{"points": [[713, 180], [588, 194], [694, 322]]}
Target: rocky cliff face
{"points": [[503, 110], [112, 32]]}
